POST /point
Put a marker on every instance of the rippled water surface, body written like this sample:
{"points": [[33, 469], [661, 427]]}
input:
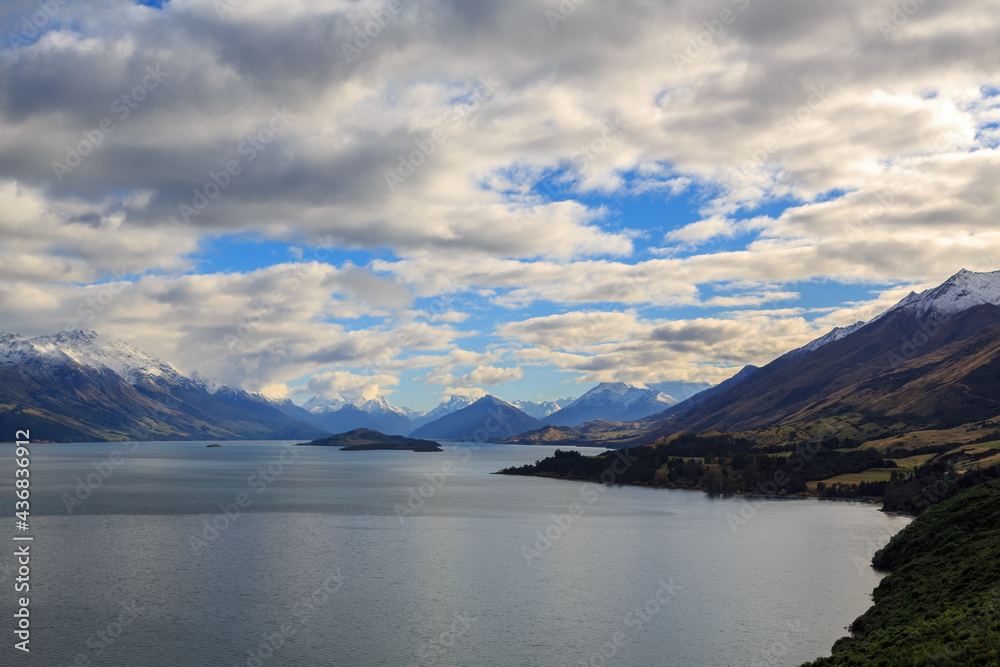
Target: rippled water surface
{"points": [[256, 553]]}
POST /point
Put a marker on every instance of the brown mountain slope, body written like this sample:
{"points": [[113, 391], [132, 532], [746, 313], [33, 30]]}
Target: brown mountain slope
{"points": [[895, 366], [75, 403], [953, 385]]}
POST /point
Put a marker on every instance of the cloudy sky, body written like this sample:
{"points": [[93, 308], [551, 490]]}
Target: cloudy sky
{"points": [[428, 197]]}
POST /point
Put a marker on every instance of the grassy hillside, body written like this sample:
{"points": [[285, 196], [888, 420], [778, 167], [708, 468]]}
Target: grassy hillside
{"points": [[941, 604]]}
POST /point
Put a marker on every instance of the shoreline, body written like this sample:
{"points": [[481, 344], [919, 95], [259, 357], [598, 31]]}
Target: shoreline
{"points": [[867, 500]]}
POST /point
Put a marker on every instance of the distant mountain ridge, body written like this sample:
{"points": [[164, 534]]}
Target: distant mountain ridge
{"points": [[614, 401], [964, 290], [375, 414], [931, 359], [680, 391], [72, 386], [486, 420], [541, 409], [78, 385]]}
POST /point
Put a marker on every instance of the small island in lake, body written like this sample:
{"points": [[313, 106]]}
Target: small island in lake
{"points": [[363, 439], [214, 445]]}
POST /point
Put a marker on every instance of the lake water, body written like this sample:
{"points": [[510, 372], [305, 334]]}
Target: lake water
{"points": [[256, 553]]}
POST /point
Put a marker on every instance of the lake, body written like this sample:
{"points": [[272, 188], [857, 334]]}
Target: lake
{"points": [[258, 553]]}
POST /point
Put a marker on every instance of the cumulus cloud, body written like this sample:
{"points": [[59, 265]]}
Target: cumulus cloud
{"points": [[479, 376], [467, 392], [350, 386], [477, 154]]}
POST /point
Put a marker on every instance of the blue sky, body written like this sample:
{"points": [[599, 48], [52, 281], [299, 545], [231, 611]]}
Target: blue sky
{"points": [[353, 200]]}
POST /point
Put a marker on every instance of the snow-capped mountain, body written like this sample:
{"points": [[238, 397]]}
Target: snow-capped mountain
{"points": [[339, 415], [79, 386], [375, 406], [615, 401], [680, 390], [964, 290], [488, 419], [836, 334], [453, 404], [86, 349], [541, 409], [931, 360]]}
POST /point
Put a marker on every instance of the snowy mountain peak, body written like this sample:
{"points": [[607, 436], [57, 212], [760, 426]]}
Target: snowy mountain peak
{"points": [[966, 289], [455, 403], [86, 349], [490, 399], [620, 392], [375, 406], [836, 334], [617, 401], [379, 405], [540, 409]]}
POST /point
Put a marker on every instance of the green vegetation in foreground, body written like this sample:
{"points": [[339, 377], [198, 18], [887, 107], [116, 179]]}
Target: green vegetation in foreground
{"points": [[715, 462], [734, 463], [941, 604], [363, 439]]}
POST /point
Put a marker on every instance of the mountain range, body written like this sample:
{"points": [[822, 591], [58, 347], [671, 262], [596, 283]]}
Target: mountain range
{"points": [[79, 386], [614, 401], [487, 419], [71, 387], [932, 360]]}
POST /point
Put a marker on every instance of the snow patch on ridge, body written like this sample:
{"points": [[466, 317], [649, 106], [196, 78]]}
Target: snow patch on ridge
{"points": [[85, 349]]}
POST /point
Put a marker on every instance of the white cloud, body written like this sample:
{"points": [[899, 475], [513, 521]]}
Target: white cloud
{"points": [[881, 132], [349, 386], [468, 392], [481, 375]]}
